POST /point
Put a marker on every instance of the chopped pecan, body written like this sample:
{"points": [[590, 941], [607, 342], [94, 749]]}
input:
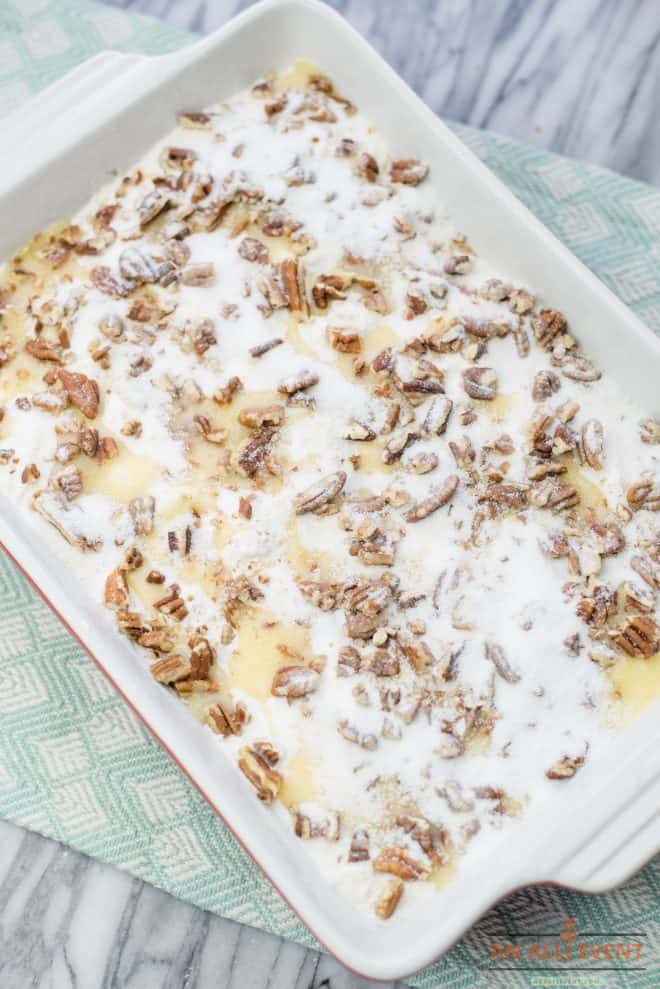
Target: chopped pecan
{"points": [[565, 768], [349, 661], [261, 415], [359, 847], [408, 171], [142, 511], [438, 497], [255, 452], [521, 302], [352, 734], [69, 482], [637, 597], [252, 249], [457, 264], [328, 827], [227, 719], [152, 204], [437, 417], [83, 392], [647, 570], [300, 381], [320, 494], [638, 636], [649, 431], [480, 382], [257, 767], [171, 669], [359, 431], [344, 341], [292, 273], [546, 384], [263, 348], [609, 539], [294, 681], [201, 657], [644, 494], [389, 900], [116, 588], [558, 497], [322, 594], [590, 444], [547, 325], [399, 862], [495, 654], [224, 395]]}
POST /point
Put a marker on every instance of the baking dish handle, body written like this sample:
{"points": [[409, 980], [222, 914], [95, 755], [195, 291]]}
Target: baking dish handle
{"points": [[68, 93], [605, 856]]}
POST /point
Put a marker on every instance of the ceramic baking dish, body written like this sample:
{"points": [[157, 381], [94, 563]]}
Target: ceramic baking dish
{"points": [[58, 149]]}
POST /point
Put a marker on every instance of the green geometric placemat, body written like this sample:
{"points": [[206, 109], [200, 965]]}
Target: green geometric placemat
{"points": [[75, 763]]}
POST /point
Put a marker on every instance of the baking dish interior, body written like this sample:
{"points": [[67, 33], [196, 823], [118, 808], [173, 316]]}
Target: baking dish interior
{"points": [[56, 171]]}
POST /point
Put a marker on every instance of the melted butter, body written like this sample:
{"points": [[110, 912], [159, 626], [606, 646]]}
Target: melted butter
{"points": [[21, 376], [503, 405], [635, 685], [584, 480], [442, 875], [126, 476], [299, 335], [256, 656], [307, 562], [299, 780], [297, 77], [208, 461]]}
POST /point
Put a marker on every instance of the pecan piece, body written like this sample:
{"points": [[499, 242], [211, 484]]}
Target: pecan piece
{"points": [[116, 588], [261, 415], [292, 273], [300, 381], [252, 249], [226, 720], [565, 768], [142, 510], [256, 765], [438, 497], [344, 341], [437, 417], [198, 274], [320, 494], [590, 444], [480, 383], [546, 384], [638, 636], [83, 392], [644, 494], [495, 654], [255, 451], [389, 901], [352, 734], [171, 669], [408, 171], [359, 847], [649, 431], [294, 681], [547, 325], [399, 862]]}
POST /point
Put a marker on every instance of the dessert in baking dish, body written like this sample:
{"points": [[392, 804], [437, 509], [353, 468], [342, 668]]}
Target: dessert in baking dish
{"points": [[363, 503]]}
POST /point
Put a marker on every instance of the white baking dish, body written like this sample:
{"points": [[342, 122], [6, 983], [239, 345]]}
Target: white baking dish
{"points": [[58, 149]]}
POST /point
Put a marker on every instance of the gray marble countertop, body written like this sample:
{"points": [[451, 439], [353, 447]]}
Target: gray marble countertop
{"points": [[579, 78]]}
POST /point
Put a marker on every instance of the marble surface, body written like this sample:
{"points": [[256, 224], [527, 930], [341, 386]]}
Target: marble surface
{"points": [[578, 78]]}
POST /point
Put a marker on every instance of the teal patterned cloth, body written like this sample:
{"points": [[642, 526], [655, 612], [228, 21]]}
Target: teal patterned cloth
{"points": [[76, 765]]}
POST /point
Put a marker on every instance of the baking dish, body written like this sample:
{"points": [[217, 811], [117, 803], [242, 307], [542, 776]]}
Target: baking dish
{"points": [[59, 149]]}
